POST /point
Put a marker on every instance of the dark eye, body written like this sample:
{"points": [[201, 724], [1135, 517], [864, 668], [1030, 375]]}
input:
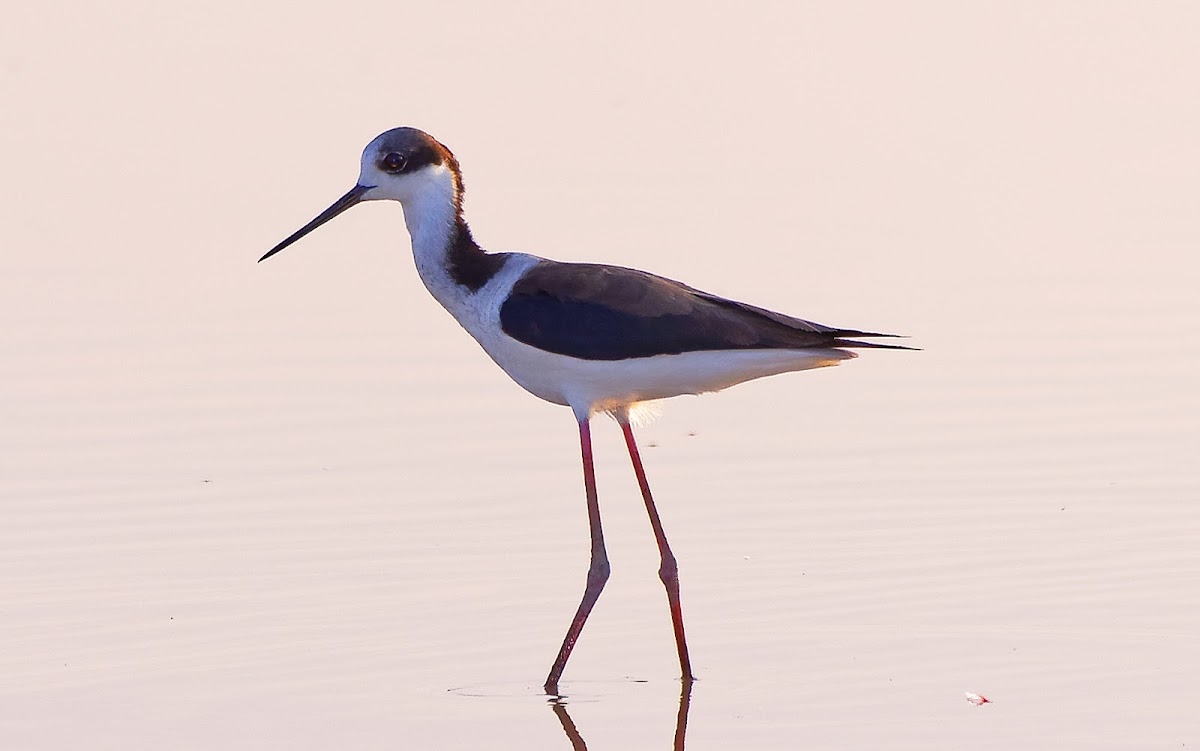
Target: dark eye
{"points": [[394, 162]]}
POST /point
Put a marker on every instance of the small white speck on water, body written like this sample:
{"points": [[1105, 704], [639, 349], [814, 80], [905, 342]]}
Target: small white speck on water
{"points": [[977, 700]]}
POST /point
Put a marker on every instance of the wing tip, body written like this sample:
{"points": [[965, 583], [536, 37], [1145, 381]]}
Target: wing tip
{"points": [[839, 341]]}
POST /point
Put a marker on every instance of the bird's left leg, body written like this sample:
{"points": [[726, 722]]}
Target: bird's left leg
{"points": [[598, 569]]}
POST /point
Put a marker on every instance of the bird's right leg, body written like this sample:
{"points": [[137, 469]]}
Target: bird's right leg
{"points": [[669, 570], [598, 570]]}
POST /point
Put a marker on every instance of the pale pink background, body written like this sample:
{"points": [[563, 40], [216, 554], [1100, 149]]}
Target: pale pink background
{"points": [[292, 506]]}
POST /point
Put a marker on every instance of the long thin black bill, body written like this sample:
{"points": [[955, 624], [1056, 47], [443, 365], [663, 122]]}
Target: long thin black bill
{"points": [[354, 196]]}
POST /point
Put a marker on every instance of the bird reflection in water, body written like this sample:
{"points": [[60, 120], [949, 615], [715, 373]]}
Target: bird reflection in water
{"points": [[559, 705]]}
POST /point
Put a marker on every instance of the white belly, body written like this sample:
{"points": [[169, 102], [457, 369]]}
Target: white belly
{"points": [[604, 385]]}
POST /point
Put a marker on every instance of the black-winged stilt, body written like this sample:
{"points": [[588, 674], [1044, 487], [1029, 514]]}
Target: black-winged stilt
{"points": [[591, 337]]}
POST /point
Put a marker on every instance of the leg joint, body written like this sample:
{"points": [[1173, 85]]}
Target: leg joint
{"points": [[669, 570], [598, 572]]}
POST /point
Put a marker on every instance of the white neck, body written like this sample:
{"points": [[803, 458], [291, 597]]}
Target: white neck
{"points": [[430, 215]]}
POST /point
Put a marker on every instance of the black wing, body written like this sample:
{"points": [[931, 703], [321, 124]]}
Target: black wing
{"points": [[599, 312]]}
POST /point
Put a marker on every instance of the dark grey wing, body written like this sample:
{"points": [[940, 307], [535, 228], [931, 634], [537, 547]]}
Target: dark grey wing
{"points": [[599, 312]]}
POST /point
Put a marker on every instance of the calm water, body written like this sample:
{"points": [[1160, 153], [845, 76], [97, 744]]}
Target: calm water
{"points": [[293, 506]]}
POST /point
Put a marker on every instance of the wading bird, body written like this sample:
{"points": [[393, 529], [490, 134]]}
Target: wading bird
{"points": [[591, 337]]}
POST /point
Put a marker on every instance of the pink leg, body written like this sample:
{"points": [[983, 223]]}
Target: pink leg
{"points": [[668, 571], [597, 571]]}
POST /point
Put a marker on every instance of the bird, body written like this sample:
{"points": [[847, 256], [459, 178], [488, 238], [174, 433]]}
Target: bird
{"points": [[592, 337]]}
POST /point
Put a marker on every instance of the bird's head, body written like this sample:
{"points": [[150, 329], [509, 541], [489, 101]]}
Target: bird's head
{"points": [[402, 164]]}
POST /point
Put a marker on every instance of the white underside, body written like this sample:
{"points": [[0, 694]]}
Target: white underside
{"points": [[609, 385], [590, 386]]}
